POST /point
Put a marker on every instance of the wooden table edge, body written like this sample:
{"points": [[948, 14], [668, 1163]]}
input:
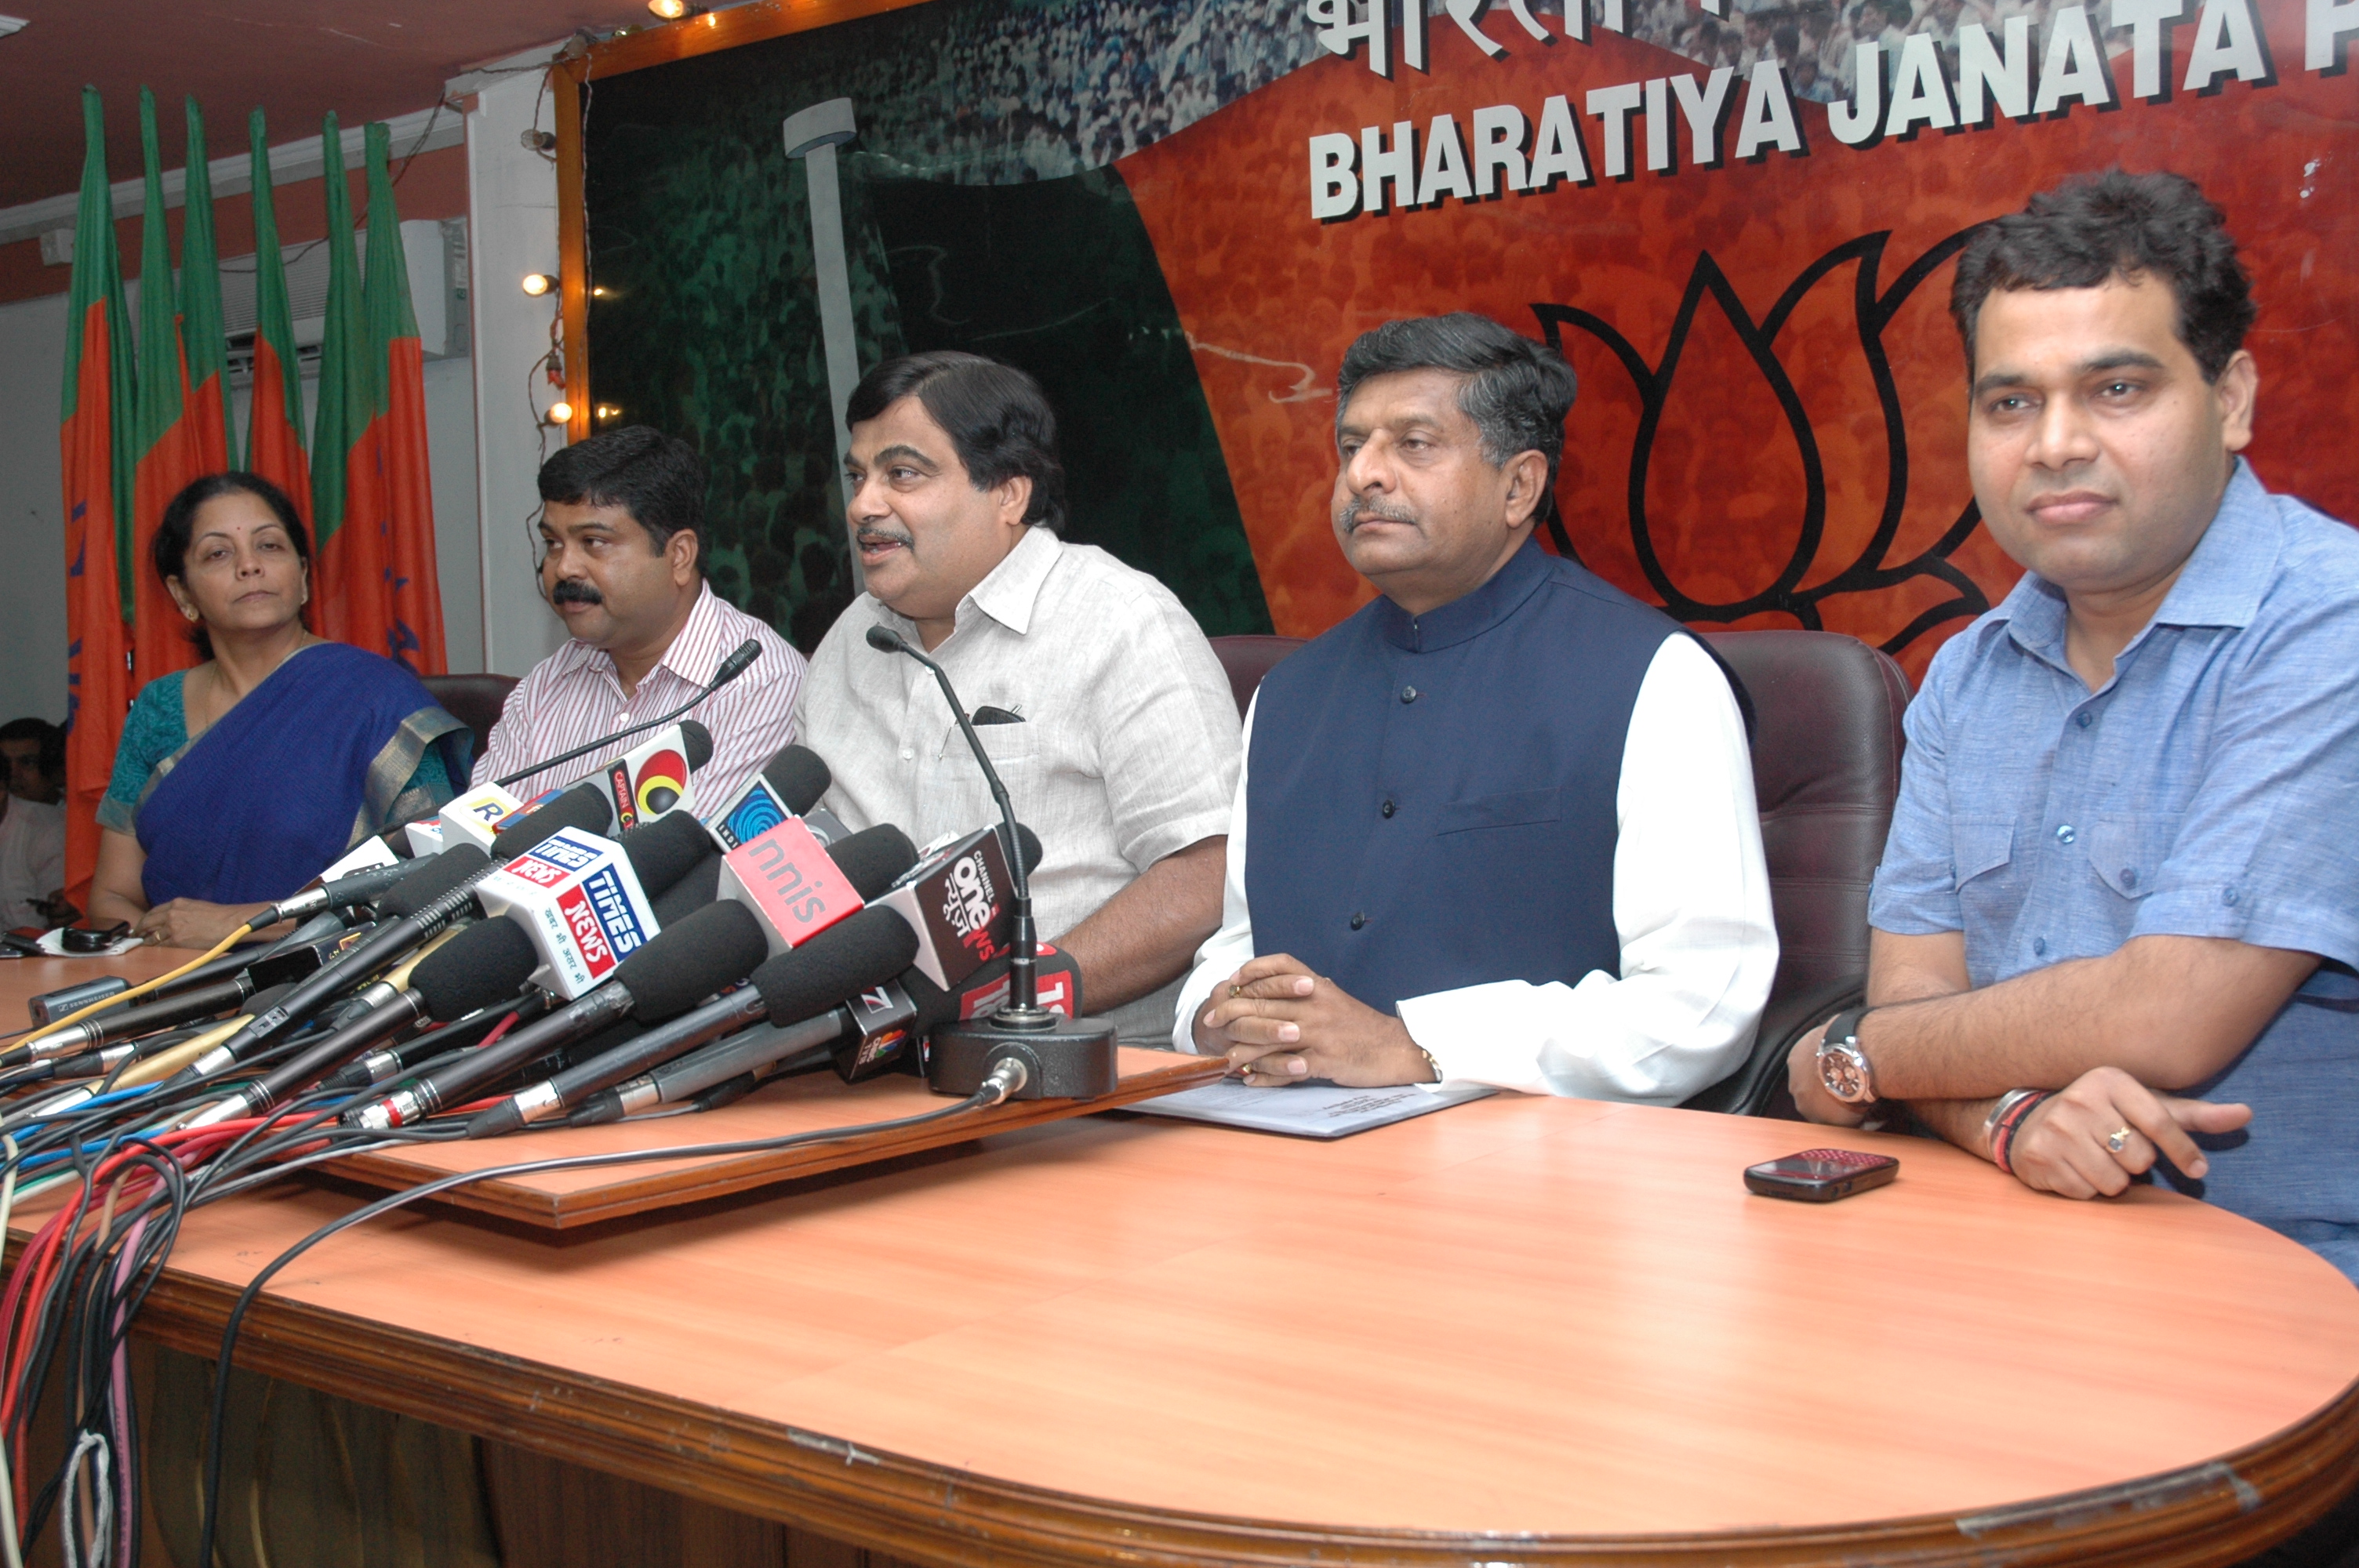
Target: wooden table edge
{"points": [[2216, 1512], [697, 1182]]}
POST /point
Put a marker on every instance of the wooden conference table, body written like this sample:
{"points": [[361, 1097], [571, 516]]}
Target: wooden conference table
{"points": [[1519, 1330]]}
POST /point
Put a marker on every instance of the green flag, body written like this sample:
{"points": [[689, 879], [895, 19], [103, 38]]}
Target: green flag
{"points": [[203, 337], [273, 421], [343, 377]]}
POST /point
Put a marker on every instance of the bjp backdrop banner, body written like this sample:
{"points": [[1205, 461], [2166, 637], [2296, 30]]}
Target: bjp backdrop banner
{"points": [[1739, 225]]}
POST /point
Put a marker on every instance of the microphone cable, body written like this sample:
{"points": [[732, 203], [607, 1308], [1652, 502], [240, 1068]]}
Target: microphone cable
{"points": [[1004, 1079]]}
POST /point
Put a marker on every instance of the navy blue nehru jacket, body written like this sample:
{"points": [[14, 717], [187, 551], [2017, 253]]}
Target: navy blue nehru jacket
{"points": [[1431, 800]]}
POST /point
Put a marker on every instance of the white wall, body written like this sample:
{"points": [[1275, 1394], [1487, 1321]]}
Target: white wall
{"points": [[32, 518], [32, 512], [512, 212]]}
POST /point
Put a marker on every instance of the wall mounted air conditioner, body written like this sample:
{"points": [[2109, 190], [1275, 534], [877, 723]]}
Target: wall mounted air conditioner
{"points": [[435, 251]]}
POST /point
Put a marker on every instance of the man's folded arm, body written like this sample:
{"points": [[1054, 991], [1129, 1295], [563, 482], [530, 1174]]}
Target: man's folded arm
{"points": [[2169, 1010], [1691, 908]]}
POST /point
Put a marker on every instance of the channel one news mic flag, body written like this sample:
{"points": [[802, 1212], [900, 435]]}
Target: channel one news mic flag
{"points": [[273, 418], [371, 503], [94, 447]]}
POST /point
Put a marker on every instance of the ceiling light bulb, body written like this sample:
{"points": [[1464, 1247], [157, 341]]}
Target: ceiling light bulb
{"points": [[560, 413], [539, 283], [670, 10]]}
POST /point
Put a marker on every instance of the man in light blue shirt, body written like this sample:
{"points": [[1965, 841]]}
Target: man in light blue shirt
{"points": [[2117, 921]]}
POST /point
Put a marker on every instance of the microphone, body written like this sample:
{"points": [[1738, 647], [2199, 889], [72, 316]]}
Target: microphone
{"points": [[663, 980], [867, 1033], [448, 984], [1078, 1054], [957, 904], [849, 958], [788, 785], [739, 661]]}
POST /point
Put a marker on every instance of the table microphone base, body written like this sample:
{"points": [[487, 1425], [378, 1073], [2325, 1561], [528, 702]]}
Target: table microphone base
{"points": [[1075, 1060]]}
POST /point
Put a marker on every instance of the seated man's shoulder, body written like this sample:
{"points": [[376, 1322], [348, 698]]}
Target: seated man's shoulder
{"points": [[1089, 579], [2321, 559]]}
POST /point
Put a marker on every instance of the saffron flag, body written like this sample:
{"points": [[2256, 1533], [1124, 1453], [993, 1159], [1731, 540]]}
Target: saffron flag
{"points": [[166, 455], [94, 443], [347, 560], [204, 341], [412, 596], [273, 420]]}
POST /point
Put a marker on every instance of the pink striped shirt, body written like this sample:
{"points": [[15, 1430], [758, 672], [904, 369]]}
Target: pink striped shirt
{"points": [[575, 696]]}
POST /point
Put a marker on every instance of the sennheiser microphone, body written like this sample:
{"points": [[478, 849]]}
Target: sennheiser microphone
{"points": [[1085, 1062], [739, 661]]}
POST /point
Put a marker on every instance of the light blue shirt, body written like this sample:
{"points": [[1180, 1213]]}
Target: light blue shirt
{"points": [[2209, 789]]}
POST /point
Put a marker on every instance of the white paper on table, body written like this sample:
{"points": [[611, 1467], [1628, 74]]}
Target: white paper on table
{"points": [[54, 944], [1316, 1109]]}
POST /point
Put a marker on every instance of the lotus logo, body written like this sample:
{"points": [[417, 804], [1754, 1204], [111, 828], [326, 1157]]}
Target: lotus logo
{"points": [[1688, 425]]}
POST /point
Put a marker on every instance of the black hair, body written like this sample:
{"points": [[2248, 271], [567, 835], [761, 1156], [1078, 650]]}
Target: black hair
{"points": [[657, 479], [1518, 392], [2115, 224], [52, 738], [168, 551], [996, 416]]}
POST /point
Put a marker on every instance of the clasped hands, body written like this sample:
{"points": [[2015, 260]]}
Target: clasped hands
{"points": [[1278, 1023]]}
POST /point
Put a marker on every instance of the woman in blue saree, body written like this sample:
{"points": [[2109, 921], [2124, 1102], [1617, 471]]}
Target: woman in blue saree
{"points": [[238, 781]]}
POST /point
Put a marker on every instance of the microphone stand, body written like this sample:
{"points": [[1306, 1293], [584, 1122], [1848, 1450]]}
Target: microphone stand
{"points": [[739, 661], [1067, 1057]]}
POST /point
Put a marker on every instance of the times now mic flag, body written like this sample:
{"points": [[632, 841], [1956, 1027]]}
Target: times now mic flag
{"points": [[957, 902], [785, 877], [651, 780], [577, 899]]}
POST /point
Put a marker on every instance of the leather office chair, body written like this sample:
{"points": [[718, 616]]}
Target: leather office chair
{"points": [[1826, 770], [1247, 659], [473, 700]]}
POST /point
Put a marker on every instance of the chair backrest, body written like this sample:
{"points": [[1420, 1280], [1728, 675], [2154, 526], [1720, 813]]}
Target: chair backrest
{"points": [[1826, 770], [473, 700], [1247, 659]]}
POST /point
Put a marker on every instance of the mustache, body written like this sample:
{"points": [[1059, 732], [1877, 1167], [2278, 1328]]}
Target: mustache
{"points": [[1352, 513], [872, 535], [573, 590]]}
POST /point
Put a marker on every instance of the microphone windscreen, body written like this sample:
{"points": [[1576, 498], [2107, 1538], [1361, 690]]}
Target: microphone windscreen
{"points": [[800, 776], [584, 806], [872, 859], [432, 880], [665, 851], [885, 640], [1028, 846], [699, 742], [863, 950], [717, 945], [697, 887], [488, 962]]}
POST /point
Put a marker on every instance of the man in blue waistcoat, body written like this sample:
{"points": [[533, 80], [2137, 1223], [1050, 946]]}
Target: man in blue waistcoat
{"points": [[2116, 923], [1499, 825]]}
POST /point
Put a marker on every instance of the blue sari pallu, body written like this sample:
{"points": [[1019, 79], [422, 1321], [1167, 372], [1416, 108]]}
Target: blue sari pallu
{"points": [[309, 763]]}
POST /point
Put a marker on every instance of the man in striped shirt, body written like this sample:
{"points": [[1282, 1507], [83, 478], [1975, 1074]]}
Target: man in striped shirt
{"points": [[622, 524]]}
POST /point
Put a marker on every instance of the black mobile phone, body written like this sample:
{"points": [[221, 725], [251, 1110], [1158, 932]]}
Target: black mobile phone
{"points": [[1820, 1175], [88, 939]]}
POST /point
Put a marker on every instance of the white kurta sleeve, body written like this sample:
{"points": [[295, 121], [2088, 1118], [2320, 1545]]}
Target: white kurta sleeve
{"points": [[1224, 952], [1691, 907]]}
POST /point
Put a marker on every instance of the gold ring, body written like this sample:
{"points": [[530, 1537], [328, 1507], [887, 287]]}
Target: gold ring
{"points": [[2118, 1139]]}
